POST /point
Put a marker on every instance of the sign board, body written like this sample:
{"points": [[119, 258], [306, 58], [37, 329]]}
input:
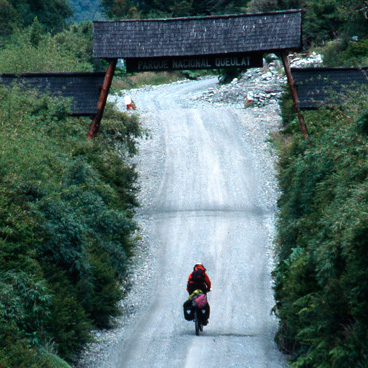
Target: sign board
{"points": [[246, 60]]}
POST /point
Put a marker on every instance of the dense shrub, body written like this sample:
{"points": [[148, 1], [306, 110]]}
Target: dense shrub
{"points": [[356, 53], [29, 51], [332, 52], [288, 113], [323, 20], [321, 278], [342, 52], [15, 14], [117, 9], [66, 208]]}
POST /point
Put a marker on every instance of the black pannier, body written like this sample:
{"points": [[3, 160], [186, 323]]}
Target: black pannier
{"points": [[188, 310]]}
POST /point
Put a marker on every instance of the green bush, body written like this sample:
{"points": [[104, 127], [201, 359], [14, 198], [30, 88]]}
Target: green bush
{"points": [[342, 52], [288, 113], [321, 295], [332, 52], [27, 52], [227, 75], [66, 209], [355, 54]]}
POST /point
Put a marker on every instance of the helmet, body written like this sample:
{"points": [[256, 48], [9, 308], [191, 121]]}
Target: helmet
{"points": [[200, 265]]}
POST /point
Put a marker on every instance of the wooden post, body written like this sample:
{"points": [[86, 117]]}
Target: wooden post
{"points": [[294, 94], [95, 125]]}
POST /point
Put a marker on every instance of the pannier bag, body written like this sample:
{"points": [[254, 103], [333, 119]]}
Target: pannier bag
{"points": [[201, 301], [195, 294], [188, 310]]}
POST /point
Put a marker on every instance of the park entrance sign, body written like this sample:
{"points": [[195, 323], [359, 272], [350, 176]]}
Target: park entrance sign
{"points": [[197, 42], [213, 42], [194, 62]]}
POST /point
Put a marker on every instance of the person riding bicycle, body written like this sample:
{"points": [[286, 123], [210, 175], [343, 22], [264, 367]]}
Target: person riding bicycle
{"points": [[198, 280]]}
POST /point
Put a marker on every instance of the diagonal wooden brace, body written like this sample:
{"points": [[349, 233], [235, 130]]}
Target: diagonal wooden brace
{"points": [[294, 94], [95, 125]]}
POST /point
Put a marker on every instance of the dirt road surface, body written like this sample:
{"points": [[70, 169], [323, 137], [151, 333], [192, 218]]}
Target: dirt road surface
{"points": [[208, 195]]}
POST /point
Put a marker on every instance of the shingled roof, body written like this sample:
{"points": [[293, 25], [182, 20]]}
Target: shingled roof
{"points": [[214, 35], [83, 88], [315, 86]]}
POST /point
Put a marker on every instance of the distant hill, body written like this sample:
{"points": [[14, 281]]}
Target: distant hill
{"points": [[85, 10]]}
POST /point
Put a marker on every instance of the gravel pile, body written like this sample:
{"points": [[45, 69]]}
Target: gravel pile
{"points": [[305, 61], [257, 87]]}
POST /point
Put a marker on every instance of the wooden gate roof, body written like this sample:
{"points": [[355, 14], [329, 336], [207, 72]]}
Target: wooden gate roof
{"points": [[319, 86], [83, 88], [260, 32]]}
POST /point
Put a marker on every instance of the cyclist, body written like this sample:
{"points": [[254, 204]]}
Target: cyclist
{"points": [[198, 279]]}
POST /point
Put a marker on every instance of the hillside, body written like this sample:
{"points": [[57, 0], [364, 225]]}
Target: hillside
{"points": [[85, 10]]}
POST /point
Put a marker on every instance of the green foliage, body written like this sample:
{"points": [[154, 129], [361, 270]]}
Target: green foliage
{"points": [[21, 13], [85, 10], [355, 17], [323, 20], [50, 359], [320, 280], [69, 324], [35, 33], [118, 9], [356, 53], [71, 51], [332, 52], [29, 51], [344, 52], [190, 74], [66, 208], [288, 113], [9, 18], [137, 80], [227, 75], [77, 41]]}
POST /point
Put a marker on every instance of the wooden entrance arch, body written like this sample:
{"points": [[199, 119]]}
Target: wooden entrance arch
{"points": [[196, 43]]}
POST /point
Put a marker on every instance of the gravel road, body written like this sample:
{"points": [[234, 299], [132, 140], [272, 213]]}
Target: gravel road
{"points": [[208, 194]]}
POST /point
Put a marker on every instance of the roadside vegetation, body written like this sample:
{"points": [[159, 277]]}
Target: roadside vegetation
{"points": [[321, 288], [66, 207], [321, 285], [67, 204], [125, 80], [66, 228]]}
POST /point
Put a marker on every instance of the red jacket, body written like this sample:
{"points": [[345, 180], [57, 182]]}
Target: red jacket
{"points": [[207, 280]]}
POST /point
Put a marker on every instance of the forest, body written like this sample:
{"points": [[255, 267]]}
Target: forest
{"points": [[67, 231]]}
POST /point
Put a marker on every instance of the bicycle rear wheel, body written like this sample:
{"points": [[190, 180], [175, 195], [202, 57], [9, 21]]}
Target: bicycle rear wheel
{"points": [[196, 322]]}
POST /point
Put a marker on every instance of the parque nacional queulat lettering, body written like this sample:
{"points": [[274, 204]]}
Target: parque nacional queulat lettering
{"points": [[183, 63]]}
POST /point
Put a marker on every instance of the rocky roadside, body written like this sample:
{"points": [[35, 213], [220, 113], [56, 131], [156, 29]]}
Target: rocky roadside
{"points": [[257, 87]]}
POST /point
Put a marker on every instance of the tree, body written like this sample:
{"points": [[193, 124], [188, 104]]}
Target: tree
{"points": [[324, 20], [9, 18], [170, 8], [117, 9], [356, 17], [85, 10], [35, 33], [50, 13]]}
